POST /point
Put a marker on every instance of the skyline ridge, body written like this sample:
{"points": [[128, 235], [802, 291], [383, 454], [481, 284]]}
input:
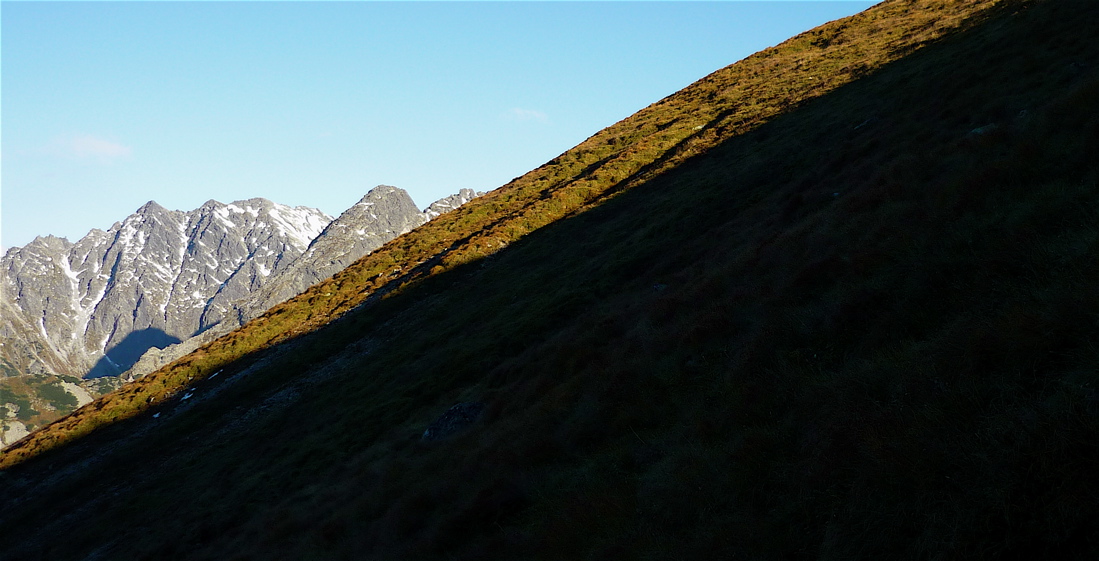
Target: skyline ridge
{"points": [[108, 105]]}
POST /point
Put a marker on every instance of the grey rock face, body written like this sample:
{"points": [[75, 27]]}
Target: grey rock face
{"points": [[447, 204], [383, 214], [159, 284], [35, 298], [92, 308], [11, 432]]}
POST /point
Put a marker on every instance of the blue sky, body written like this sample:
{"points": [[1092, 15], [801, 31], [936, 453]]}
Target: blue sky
{"points": [[107, 105]]}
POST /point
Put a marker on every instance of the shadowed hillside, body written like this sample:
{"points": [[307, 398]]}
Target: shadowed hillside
{"points": [[836, 301]]}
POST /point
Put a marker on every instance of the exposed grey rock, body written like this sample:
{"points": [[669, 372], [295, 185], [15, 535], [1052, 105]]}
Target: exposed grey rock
{"points": [[447, 204], [11, 432], [161, 283], [158, 277], [456, 419], [384, 213]]}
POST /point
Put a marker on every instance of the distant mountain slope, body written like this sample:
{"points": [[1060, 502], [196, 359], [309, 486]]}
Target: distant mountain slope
{"points": [[155, 278], [383, 214], [91, 309], [159, 278], [850, 319]]}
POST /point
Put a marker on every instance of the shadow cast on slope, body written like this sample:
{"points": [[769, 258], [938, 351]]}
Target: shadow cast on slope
{"points": [[123, 355], [719, 286]]}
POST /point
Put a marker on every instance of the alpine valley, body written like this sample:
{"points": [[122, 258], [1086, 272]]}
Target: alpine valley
{"points": [[79, 319]]}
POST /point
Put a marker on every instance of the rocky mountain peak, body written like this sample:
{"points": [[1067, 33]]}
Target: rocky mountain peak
{"points": [[447, 204], [151, 207], [381, 191], [161, 282], [384, 210], [47, 243], [384, 213], [209, 206], [155, 278]]}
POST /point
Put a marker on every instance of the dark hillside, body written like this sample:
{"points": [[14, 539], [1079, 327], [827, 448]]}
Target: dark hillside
{"points": [[728, 102], [862, 323]]}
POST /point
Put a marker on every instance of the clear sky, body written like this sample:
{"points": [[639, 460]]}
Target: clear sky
{"points": [[107, 105]]}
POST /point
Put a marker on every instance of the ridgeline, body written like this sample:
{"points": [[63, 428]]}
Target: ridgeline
{"points": [[836, 300]]}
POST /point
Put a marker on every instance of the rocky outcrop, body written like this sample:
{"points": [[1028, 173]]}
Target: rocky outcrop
{"points": [[384, 213], [447, 204], [11, 432], [92, 308], [161, 283]]}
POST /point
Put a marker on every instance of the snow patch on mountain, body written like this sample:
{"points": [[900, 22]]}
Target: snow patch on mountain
{"points": [[160, 277]]}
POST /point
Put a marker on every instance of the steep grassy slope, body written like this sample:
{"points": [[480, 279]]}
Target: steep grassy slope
{"points": [[720, 106], [863, 325]]}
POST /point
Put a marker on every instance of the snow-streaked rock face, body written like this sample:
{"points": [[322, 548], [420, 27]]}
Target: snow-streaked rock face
{"points": [[447, 204], [383, 214], [158, 277], [161, 282]]}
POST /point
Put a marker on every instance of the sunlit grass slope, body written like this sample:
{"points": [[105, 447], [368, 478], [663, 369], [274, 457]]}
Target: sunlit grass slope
{"points": [[720, 106], [801, 316]]}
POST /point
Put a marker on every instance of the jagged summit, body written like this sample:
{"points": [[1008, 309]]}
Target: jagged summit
{"points": [[383, 210], [164, 273], [447, 204], [46, 241], [746, 322], [160, 277], [384, 213], [377, 192], [151, 207]]}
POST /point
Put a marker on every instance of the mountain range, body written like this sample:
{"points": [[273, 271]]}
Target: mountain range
{"points": [[833, 301], [80, 318]]}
